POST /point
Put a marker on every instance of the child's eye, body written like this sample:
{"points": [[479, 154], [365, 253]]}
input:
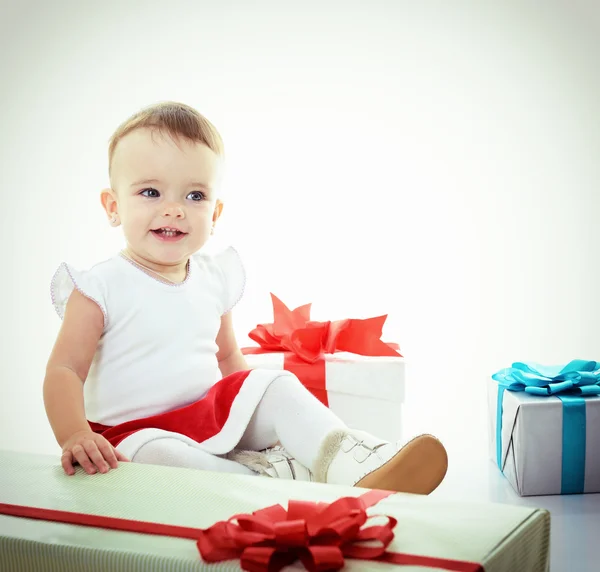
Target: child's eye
{"points": [[150, 193], [197, 196]]}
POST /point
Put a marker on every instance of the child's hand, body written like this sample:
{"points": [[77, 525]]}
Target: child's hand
{"points": [[92, 451]]}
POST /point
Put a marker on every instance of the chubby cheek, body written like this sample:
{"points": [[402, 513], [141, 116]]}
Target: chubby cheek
{"points": [[200, 219], [135, 224], [201, 233]]}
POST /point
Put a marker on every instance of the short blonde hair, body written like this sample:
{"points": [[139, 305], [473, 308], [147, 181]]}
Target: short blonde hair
{"points": [[173, 118]]}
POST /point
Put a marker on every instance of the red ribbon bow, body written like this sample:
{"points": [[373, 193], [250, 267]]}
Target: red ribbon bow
{"points": [[319, 535], [293, 331]]}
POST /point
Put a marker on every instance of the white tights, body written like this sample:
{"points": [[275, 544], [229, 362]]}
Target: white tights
{"points": [[288, 413]]}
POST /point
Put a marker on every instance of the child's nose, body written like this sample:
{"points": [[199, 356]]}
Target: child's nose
{"points": [[174, 210]]}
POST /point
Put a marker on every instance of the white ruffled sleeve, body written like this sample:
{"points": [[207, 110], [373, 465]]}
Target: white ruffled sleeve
{"points": [[233, 275], [66, 279]]}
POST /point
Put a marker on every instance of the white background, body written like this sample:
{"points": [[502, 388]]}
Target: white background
{"points": [[436, 161]]}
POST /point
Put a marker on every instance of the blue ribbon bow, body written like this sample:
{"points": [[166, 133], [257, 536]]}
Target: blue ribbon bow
{"points": [[571, 384]]}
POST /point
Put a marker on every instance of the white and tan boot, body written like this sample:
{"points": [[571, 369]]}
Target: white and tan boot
{"points": [[276, 463], [356, 458]]}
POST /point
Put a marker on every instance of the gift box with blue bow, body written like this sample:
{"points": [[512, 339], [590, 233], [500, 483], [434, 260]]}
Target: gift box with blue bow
{"points": [[545, 427]]}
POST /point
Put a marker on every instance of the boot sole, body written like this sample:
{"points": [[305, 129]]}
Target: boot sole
{"points": [[418, 468]]}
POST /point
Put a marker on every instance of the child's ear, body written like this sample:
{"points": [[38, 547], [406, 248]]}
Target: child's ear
{"points": [[218, 210], [109, 202]]}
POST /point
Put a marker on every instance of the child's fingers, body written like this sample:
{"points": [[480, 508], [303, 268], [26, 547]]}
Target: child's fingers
{"points": [[82, 458], [95, 456], [120, 456], [108, 453], [66, 461]]}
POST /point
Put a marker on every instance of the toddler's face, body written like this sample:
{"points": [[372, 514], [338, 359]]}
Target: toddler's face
{"points": [[164, 193]]}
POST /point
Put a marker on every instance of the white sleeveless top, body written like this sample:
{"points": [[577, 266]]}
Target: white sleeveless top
{"points": [[158, 350]]}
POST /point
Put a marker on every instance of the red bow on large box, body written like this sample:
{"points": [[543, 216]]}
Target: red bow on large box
{"points": [[320, 535], [304, 342]]}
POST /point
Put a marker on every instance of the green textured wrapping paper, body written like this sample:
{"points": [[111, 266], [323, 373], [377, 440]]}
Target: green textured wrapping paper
{"points": [[502, 538]]}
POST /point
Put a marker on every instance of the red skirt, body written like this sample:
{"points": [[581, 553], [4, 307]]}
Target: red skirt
{"points": [[216, 422]]}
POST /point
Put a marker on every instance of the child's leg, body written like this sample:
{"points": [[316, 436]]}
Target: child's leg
{"points": [[290, 414], [175, 453], [318, 439]]}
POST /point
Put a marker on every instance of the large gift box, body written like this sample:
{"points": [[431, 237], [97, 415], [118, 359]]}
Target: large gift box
{"points": [[545, 427], [344, 363], [150, 518]]}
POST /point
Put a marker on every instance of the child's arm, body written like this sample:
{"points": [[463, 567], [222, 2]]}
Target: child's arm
{"points": [[66, 372], [229, 356]]}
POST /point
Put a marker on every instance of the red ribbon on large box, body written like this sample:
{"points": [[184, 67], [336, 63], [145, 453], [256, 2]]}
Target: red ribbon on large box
{"points": [[320, 535], [304, 342]]}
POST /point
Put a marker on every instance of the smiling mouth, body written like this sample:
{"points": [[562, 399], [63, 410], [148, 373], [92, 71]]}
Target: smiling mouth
{"points": [[167, 232]]}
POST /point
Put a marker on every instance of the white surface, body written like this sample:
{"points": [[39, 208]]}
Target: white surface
{"points": [[575, 519], [472, 476]]}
